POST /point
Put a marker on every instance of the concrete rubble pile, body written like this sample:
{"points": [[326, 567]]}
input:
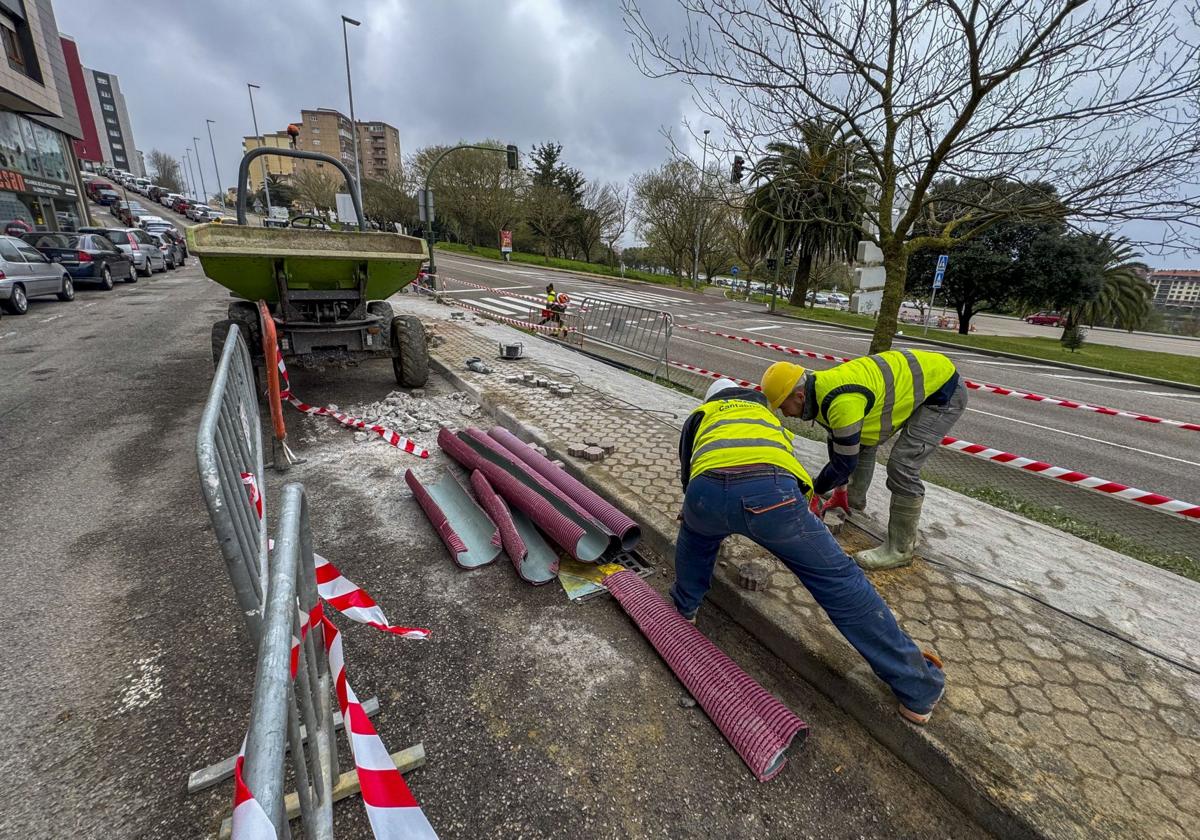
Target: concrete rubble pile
{"points": [[410, 413]]}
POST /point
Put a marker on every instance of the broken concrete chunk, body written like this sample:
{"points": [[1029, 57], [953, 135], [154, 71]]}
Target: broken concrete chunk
{"points": [[593, 453], [360, 437], [753, 576], [576, 450], [834, 519]]}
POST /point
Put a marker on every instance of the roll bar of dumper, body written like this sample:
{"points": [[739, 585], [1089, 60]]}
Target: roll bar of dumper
{"points": [[244, 172]]}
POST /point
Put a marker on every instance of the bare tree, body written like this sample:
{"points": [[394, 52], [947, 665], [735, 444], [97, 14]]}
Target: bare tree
{"points": [[666, 210], [167, 172], [618, 221], [601, 209], [475, 193], [747, 249], [1098, 99]]}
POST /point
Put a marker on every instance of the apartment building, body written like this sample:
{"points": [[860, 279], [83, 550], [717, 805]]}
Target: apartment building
{"points": [[327, 131], [1176, 287], [112, 121], [277, 167], [39, 172], [379, 149]]}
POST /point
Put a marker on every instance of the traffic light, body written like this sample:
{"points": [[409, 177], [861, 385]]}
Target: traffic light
{"points": [[739, 165], [770, 263], [787, 256], [513, 162]]}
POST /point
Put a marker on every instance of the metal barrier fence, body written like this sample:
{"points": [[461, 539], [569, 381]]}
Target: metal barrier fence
{"points": [[228, 446], [281, 706], [636, 330]]}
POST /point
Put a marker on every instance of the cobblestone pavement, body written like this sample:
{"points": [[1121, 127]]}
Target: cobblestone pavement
{"points": [[1076, 732]]}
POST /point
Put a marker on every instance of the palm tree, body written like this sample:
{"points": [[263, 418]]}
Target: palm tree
{"points": [[1124, 296], [809, 199]]}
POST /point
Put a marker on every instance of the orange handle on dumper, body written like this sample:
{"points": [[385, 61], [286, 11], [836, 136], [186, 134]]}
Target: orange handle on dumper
{"points": [[270, 346]]}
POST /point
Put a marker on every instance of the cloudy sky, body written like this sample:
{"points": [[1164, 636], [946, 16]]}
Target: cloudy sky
{"points": [[520, 71]]}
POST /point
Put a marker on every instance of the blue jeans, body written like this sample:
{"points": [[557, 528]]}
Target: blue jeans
{"points": [[768, 507]]}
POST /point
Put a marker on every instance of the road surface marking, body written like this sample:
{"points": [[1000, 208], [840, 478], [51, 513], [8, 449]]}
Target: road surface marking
{"points": [[89, 305], [1109, 379], [1084, 437], [470, 291], [48, 320], [507, 313], [1151, 393], [515, 306], [7, 334], [1018, 365]]}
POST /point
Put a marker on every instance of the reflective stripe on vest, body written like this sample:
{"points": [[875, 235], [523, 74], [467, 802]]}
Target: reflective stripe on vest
{"points": [[883, 397], [735, 433]]}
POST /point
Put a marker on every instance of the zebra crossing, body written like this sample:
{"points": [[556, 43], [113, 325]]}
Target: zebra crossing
{"points": [[506, 306], [650, 300]]}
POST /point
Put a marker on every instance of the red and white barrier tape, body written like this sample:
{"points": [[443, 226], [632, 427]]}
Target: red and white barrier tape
{"points": [[391, 807], [974, 386], [539, 301], [337, 590], [516, 322], [390, 437], [1121, 491], [250, 821], [712, 374]]}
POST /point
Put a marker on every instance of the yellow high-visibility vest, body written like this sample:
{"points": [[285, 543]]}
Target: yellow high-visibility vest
{"points": [[875, 395], [735, 433]]}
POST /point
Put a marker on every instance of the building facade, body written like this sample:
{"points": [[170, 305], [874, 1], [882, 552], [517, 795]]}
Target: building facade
{"points": [[379, 149], [88, 147], [1176, 288], [277, 166], [327, 131], [112, 122], [39, 172]]}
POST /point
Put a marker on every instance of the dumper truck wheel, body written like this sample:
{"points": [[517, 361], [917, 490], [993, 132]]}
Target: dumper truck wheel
{"points": [[245, 315], [410, 355], [380, 309]]}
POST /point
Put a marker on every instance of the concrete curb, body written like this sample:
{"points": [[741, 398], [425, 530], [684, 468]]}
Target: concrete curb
{"points": [[606, 279], [983, 351], [855, 690]]}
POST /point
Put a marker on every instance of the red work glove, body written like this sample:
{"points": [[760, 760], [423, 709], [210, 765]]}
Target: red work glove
{"points": [[839, 499]]}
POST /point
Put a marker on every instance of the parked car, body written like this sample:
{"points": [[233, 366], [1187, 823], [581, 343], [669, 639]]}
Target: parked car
{"points": [[149, 219], [181, 206], [107, 198], [25, 273], [155, 193], [177, 239], [136, 244], [125, 210], [196, 209], [141, 185], [165, 247], [168, 200], [94, 187], [87, 257], [1045, 319]]}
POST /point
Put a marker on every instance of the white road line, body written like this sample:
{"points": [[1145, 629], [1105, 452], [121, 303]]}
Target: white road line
{"points": [[1085, 437], [89, 305], [48, 320], [498, 310], [1157, 394], [722, 350], [7, 334], [1019, 365], [473, 291], [1108, 379], [515, 306], [640, 297]]}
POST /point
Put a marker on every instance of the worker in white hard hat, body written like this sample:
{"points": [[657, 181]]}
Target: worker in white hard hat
{"points": [[740, 475]]}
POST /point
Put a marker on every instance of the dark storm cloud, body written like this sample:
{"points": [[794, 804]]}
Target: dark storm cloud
{"points": [[521, 72]]}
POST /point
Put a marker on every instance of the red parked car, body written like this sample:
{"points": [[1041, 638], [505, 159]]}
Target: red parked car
{"points": [[1046, 319]]}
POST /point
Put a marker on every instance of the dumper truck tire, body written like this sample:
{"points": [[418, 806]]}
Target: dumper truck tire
{"points": [[380, 309], [410, 355], [245, 315]]}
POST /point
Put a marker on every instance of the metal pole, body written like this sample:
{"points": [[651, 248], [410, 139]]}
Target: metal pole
{"points": [[200, 167], [699, 217], [266, 189], [187, 177], [932, 295], [217, 169], [353, 124], [778, 263], [428, 178]]}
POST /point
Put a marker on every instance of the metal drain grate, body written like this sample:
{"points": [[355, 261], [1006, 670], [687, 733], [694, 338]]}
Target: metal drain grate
{"points": [[631, 560]]}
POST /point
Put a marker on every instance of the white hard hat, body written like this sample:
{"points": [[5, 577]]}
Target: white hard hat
{"points": [[719, 386]]}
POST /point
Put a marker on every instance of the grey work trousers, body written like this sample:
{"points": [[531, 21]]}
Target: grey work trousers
{"points": [[919, 439]]}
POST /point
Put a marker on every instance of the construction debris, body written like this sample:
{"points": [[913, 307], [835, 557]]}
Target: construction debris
{"points": [[412, 412]]}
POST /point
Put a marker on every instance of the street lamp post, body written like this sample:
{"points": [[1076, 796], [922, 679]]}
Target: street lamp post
{"points": [[353, 124], [250, 88], [188, 176], [217, 169], [699, 216], [200, 167]]}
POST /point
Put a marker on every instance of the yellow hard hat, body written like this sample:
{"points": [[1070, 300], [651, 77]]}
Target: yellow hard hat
{"points": [[780, 381]]}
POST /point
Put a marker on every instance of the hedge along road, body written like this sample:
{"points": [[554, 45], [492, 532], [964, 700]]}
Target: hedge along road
{"points": [[1150, 457]]}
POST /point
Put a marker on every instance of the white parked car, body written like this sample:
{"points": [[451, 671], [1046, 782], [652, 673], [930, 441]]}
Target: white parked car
{"points": [[195, 210], [148, 220]]}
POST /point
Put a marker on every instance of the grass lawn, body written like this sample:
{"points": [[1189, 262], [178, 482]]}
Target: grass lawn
{"points": [[1170, 366], [554, 262]]}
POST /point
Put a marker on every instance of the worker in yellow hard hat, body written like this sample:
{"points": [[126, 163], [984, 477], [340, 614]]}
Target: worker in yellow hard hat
{"points": [[741, 476], [916, 394]]}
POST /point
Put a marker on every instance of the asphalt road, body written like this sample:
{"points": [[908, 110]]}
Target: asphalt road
{"points": [[1151, 457], [126, 665]]}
